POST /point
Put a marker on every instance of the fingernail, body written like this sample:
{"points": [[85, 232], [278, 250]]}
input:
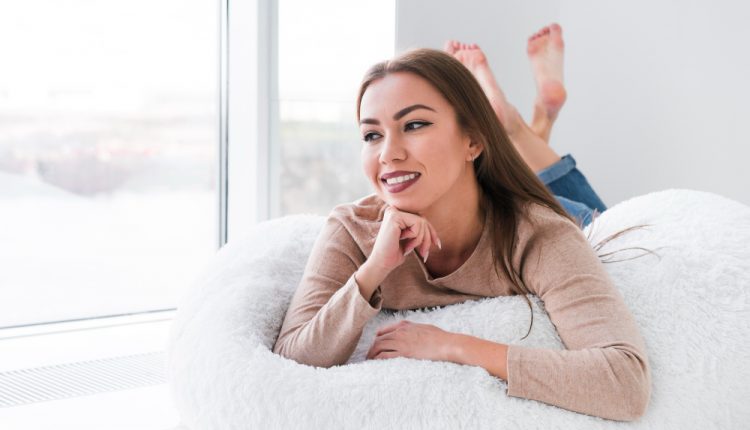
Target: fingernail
{"points": [[408, 252], [440, 245], [426, 255]]}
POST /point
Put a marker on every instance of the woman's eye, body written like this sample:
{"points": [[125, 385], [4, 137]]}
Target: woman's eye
{"points": [[416, 124], [370, 136]]}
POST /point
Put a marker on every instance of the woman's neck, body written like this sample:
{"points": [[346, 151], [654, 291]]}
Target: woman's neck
{"points": [[458, 218]]}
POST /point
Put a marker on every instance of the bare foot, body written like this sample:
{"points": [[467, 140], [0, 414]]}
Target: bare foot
{"points": [[532, 148], [474, 59], [545, 49]]}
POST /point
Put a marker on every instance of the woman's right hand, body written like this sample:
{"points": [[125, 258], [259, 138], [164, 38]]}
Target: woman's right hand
{"points": [[413, 230]]}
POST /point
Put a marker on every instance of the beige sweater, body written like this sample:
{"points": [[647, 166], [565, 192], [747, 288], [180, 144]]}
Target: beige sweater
{"points": [[603, 372]]}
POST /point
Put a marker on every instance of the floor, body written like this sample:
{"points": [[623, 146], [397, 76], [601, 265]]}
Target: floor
{"points": [[147, 407]]}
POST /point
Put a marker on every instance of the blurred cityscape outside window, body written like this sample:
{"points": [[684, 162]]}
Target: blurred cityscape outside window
{"points": [[108, 155], [325, 48]]}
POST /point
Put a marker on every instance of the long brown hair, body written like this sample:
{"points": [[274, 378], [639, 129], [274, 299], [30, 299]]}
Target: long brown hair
{"points": [[506, 182]]}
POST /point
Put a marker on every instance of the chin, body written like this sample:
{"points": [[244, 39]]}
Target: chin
{"points": [[404, 204]]}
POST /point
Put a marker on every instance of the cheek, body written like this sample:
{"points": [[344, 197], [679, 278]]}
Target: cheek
{"points": [[369, 162], [442, 155]]}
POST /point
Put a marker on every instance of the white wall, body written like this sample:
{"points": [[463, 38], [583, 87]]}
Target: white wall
{"points": [[658, 92]]}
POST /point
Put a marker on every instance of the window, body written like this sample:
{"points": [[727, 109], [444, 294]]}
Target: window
{"points": [[324, 49], [108, 155]]}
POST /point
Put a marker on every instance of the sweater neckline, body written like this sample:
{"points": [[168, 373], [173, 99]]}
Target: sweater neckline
{"points": [[466, 266]]}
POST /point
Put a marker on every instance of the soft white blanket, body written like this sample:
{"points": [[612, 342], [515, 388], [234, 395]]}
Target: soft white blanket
{"points": [[691, 305]]}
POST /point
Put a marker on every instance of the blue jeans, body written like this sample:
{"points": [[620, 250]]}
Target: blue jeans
{"points": [[571, 189]]}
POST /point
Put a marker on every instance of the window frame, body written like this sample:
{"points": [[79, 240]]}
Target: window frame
{"points": [[249, 116]]}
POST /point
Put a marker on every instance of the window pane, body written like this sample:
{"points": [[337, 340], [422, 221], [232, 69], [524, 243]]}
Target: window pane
{"points": [[325, 47], [108, 154]]}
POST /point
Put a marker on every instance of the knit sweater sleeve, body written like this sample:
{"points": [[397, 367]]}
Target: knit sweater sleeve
{"points": [[604, 370], [327, 312]]}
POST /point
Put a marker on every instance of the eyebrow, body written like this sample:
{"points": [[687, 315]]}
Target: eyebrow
{"points": [[400, 114]]}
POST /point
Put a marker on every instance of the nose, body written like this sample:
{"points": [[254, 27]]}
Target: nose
{"points": [[392, 149]]}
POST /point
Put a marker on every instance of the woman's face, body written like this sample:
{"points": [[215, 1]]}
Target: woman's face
{"points": [[414, 152]]}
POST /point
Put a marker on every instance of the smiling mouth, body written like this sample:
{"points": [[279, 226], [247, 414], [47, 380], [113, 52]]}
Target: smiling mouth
{"points": [[400, 179], [400, 183]]}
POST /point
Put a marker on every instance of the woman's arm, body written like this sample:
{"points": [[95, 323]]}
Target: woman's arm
{"points": [[328, 311], [339, 291], [369, 278], [474, 351], [604, 371]]}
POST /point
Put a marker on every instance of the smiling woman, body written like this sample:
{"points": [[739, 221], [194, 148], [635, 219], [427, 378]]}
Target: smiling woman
{"points": [[422, 138], [399, 180], [451, 183]]}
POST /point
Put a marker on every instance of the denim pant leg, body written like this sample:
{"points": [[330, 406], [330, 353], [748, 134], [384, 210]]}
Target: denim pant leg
{"points": [[571, 189], [578, 210]]}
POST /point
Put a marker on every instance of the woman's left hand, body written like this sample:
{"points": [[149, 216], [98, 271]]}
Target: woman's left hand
{"points": [[412, 340]]}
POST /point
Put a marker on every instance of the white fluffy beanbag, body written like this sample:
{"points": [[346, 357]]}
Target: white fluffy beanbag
{"points": [[691, 306]]}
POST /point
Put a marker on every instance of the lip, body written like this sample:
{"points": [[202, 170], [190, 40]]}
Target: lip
{"points": [[396, 174], [397, 188]]}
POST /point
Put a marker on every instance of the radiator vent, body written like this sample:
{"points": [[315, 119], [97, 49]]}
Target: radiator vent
{"points": [[38, 384]]}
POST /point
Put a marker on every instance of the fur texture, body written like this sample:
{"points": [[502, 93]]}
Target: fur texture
{"points": [[691, 304]]}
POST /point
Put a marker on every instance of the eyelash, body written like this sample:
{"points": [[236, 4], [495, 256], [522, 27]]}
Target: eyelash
{"points": [[368, 136]]}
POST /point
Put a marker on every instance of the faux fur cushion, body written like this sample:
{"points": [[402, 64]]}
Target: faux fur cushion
{"points": [[691, 304]]}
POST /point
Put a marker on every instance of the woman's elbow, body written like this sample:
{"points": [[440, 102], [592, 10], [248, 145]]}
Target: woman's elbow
{"points": [[286, 348], [637, 395], [278, 347], [634, 407]]}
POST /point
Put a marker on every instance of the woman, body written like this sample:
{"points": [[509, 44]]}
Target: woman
{"points": [[452, 166]]}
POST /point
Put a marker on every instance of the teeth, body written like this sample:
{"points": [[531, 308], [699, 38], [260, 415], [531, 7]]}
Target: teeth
{"points": [[400, 179]]}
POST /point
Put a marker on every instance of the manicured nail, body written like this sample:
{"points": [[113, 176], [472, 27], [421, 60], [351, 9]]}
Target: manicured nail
{"points": [[426, 255], [440, 245]]}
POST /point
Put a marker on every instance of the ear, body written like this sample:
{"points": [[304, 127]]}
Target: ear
{"points": [[476, 146]]}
